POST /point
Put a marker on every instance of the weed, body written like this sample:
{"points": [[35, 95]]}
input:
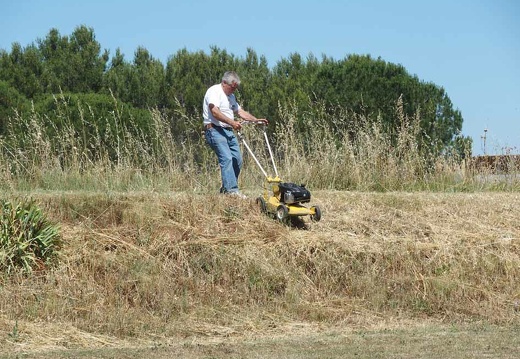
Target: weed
{"points": [[14, 334]]}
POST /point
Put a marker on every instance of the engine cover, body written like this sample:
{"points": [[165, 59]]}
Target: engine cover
{"points": [[293, 193]]}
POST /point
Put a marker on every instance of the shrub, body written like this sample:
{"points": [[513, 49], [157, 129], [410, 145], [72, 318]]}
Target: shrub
{"points": [[27, 238]]}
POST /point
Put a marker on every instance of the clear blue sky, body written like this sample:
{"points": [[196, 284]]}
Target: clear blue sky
{"points": [[469, 47]]}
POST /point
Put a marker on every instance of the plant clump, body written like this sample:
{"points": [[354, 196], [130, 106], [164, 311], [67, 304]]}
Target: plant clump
{"points": [[28, 240]]}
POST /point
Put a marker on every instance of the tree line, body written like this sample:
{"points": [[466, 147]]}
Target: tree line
{"points": [[77, 67]]}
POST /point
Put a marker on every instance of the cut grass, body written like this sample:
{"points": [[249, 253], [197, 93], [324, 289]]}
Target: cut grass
{"points": [[426, 341], [139, 268]]}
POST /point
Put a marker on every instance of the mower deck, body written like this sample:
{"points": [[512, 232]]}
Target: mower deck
{"points": [[275, 205]]}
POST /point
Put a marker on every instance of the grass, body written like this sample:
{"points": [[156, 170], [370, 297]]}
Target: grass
{"points": [[154, 262], [412, 341], [146, 268], [316, 148]]}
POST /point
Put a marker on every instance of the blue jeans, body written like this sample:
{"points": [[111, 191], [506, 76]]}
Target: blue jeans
{"points": [[225, 144]]}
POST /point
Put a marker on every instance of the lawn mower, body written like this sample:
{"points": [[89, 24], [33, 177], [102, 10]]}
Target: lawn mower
{"points": [[282, 200]]}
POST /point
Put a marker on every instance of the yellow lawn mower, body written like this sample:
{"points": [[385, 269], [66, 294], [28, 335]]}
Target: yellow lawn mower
{"points": [[282, 200]]}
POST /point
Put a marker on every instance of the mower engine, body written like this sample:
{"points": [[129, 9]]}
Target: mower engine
{"points": [[293, 193]]}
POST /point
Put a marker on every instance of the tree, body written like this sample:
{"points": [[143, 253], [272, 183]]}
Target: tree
{"points": [[369, 86], [88, 62], [74, 65], [11, 101], [255, 90], [118, 77], [188, 76], [357, 83], [144, 80], [293, 79], [22, 69]]}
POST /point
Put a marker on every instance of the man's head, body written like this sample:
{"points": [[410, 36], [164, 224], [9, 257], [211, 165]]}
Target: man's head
{"points": [[230, 82]]}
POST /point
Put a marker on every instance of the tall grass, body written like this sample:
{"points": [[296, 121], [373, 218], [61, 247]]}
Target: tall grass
{"points": [[323, 147], [35, 153]]}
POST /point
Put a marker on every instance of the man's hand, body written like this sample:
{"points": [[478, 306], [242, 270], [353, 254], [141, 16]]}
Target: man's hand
{"points": [[258, 121], [237, 126]]}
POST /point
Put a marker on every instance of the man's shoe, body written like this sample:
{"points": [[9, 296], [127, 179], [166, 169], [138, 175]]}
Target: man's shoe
{"points": [[237, 194]]}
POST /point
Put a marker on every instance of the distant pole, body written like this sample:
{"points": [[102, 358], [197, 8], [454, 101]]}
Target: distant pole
{"points": [[483, 137]]}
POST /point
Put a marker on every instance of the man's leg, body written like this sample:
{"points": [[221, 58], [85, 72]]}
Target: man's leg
{"points": [[234, 148], [217, 139]]}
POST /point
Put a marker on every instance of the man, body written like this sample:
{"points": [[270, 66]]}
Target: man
{"points": [[219, 109]]}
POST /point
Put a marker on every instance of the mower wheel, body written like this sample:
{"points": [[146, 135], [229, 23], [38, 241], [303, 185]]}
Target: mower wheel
{"points": [[282, 213], [260, 201], [317, 214]]}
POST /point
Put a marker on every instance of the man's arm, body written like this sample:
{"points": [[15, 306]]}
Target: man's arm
{"points": [[223, 118], [243, 114]]}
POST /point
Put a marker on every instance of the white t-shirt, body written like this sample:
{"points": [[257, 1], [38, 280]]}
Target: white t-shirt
{"points": [[227, 104]]}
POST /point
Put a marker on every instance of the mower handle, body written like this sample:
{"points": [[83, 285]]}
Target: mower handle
{"points": [[259, 123]]}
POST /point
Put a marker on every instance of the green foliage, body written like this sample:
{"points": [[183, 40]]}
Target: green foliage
{"points": [[28, 240], [255, 90], [368, 86], [116, 78], [71, 132], [73, 64], [141, 84], [323, 153], [358, 83], [147, 80], [188, 75], [22, 69], [11, 101]]}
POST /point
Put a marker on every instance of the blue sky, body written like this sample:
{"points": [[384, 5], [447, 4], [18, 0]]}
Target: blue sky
{"points": [[471, 48]]}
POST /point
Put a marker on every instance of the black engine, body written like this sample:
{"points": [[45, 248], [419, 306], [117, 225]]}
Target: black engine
{"points": [[293, 193]]}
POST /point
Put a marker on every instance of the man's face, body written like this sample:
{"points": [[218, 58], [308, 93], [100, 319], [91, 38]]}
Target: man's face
{"points": [[230, 88]]}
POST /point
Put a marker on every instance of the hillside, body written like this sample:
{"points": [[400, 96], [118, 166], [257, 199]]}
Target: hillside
{"points": [[145, 269]]}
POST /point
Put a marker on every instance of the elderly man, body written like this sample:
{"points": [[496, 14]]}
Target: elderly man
{"points": [[219, 109]]}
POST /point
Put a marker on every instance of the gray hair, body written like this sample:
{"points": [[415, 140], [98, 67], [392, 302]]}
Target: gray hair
{"points": [[231, 77]]}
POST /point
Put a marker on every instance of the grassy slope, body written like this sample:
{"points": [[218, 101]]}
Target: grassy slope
{"points": [[146, 269]]}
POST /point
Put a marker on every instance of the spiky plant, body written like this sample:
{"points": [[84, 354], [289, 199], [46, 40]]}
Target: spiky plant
{"points": [[28, 240]]}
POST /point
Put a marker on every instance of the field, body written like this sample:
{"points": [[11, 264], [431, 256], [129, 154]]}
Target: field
{"points": [[417, 254], [396, 274]]}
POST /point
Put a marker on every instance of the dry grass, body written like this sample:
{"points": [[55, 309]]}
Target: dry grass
{"points": [[144, 267], [147, 261], [326, 149]]}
